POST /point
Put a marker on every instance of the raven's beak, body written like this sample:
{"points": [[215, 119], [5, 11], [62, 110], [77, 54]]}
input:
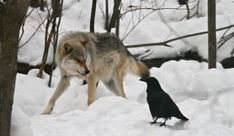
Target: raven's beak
{"points": [[142, 80]]}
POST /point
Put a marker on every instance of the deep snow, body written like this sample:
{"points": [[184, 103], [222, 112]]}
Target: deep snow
{"points": [[204, 96]]}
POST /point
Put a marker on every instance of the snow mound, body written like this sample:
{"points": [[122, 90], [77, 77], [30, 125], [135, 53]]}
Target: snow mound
{"points": [[204, 96]]}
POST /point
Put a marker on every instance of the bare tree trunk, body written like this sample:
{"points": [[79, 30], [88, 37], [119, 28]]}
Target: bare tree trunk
{"points": [[117, 23], [12, 14], [212, 33], [182, 2], [42, 4], [92, 18], [55, 40], [114, 15], [188, 10], [47, 45], [107, 15], [37, 3]]}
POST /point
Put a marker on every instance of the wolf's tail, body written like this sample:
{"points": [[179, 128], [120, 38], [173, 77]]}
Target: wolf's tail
{"points": [[138, 68]]}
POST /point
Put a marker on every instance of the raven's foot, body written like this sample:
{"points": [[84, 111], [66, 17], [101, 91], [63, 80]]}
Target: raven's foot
{"points": [[164, 123], [154, 122]]}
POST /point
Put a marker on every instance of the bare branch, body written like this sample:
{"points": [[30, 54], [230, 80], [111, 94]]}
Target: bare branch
{"points": [[224, 39], [140, 19], [232, 52], [153, 9], [42, 23], [55, 41], [165, 43], [22, 27], [125, 36]]}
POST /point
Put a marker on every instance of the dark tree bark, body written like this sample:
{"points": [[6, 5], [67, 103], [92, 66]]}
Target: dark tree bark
{"points": [[48, 37], [182, 2], [188, 11], [37, 3], [12, 14], [117, 23], [115, 15], [55, 40], [107, 14], [92, 18], [212, 34], [42, 4]]}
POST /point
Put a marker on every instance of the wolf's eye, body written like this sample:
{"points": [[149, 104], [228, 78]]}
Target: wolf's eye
{"points": [[68, 48], [79, 61]]}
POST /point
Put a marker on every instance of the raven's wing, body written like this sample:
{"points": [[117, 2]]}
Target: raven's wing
{"points": [[169, 103], [155, 102], [173, 109]]}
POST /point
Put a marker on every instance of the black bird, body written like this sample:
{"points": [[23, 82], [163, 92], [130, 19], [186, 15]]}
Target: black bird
{"points": [[160, 103]]}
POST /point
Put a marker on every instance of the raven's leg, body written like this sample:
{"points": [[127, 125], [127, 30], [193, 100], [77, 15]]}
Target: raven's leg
{"points": [[155, 121], [164, 123]]}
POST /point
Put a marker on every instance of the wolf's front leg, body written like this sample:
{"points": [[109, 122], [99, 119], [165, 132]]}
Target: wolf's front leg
{"points": [[61, 87], [91, 88]]}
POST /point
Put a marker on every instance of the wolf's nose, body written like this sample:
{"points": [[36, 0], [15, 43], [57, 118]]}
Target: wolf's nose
{"points": [[86, 72]]}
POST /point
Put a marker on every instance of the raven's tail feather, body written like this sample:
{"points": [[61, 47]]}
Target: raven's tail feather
{"points": [[182, 117]]}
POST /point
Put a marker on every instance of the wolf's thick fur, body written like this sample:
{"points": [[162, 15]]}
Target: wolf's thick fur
{"points": [[94, 57]]}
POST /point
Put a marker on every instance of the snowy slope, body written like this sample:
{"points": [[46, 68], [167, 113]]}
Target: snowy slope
{"points": [[204, 96]]}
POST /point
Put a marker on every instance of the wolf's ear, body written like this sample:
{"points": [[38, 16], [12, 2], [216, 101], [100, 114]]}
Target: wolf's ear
{"points": [[84, 43], [68, 48]]}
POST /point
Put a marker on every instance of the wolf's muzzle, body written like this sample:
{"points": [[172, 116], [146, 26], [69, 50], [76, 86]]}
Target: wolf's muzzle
{"points": [[86, 72]]}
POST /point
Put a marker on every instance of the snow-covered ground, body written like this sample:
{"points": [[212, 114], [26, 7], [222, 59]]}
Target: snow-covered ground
{"points": [[204, 96]]}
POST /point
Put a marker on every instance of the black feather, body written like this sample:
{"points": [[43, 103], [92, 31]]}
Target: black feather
{"points": [[160, 103]]}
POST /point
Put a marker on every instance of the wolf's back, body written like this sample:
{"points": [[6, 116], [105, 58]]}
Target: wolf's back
{"points": [[109, 42]]}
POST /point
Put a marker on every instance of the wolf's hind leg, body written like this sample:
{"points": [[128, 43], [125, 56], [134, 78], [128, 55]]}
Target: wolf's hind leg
{"points": [[118, 81], [61, 87], [113, 87]]}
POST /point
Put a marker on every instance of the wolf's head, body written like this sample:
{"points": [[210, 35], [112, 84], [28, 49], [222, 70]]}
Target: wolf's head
{"points": [[74, 58]]}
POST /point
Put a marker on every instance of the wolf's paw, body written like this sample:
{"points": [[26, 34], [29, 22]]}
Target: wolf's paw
{"points": [[47, 110], [90, 102]]}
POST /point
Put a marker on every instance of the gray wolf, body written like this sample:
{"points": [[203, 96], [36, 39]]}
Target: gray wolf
{"points": [[160, 103], [94, 57]]}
